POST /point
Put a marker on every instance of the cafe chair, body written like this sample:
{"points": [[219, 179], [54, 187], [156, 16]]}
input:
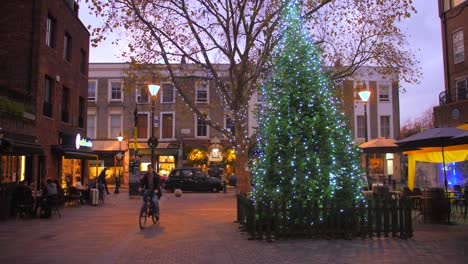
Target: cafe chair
{"points": [[73, 196]]}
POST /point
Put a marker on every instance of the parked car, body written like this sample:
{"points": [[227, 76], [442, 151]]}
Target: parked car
{"points": [[192, 179]]}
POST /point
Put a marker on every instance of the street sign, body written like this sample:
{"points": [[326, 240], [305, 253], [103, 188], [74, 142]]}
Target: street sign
{"points": [[152, 142]]}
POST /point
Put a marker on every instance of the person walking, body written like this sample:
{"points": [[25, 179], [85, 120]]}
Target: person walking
{"points": [[150, 184], [102, 180]]}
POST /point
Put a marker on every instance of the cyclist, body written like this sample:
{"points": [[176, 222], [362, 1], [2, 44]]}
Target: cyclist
{"points": [[150, 183]]}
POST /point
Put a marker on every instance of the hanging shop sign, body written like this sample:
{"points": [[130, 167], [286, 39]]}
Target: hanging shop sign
{"points": [[82, 142]]}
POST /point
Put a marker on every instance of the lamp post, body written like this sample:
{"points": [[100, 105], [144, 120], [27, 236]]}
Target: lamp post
{"points": [[153, 141], [119, 163], [364, 95]]}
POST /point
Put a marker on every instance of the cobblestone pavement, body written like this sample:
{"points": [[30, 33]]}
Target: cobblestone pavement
{"points": [[199, 228]]}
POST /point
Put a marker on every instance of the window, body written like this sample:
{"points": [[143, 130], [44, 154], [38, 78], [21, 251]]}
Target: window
{"points": [[83, 62], [361, 127], [167, 93], [202, 128], [50, 32], [385, 126], [92, 85], [65, 104], [201, 92], [67, 47], [462, 89], [458, 47], [384, 93], [167, 125], [81, 112], [91, 126], [48, 86], [230, 124], [143, 120], [260, 98], [116, 90], [115, 125], [141, 94]]}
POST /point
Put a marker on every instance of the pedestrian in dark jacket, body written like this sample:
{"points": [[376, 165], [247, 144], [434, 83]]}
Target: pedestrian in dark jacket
{"points": [[102, 180]]}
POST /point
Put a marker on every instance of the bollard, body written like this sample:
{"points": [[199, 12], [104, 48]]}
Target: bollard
{"points": [[224, 186], [117, 185]]}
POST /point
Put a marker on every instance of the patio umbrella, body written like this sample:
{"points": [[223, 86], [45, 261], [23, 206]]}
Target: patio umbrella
{"points": [[433, 137], [380, 145], [460, 139]]}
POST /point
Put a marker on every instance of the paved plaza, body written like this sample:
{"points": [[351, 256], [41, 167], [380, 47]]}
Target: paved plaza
{"points": [[200, 228]]}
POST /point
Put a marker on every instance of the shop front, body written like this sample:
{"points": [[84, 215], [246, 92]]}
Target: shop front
{"points": [[77, 162], [18, 154]]}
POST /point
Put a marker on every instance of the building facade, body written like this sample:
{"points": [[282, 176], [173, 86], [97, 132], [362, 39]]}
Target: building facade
{"points": [[43, 75], [118, 106], [453, 101]]}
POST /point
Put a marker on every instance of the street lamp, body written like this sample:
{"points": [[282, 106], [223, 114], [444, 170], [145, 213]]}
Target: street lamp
{"points": [[364, 95], [153, 141], [119, 163]]}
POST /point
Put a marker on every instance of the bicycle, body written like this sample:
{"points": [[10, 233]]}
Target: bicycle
{"points": [[145, 212]]}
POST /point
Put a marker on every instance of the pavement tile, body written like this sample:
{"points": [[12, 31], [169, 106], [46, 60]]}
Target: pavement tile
{"points": [[199, 228]]}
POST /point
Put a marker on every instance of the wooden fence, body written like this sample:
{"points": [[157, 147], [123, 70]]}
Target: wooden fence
{"points": [[376, 217]]}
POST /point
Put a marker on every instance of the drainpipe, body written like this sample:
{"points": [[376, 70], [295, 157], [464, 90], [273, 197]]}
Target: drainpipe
{"points": [[443, 16]]}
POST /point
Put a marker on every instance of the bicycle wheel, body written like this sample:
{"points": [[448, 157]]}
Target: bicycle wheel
{"points": [[153, 217], [143, 217]]}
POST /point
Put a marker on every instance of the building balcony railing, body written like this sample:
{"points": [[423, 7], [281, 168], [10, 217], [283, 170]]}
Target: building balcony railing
{"points": [[461, 94]]}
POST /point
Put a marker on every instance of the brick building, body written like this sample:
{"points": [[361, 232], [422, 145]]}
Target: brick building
{"points": [[43, 74], [113, 100], [453, 101]]}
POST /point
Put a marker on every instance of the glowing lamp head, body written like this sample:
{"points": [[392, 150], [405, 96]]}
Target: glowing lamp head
{"points": [[120, 137], [153, 89], [364, 95]]}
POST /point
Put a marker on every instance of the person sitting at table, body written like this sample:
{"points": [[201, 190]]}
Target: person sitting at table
{"points": [[83, 189]]}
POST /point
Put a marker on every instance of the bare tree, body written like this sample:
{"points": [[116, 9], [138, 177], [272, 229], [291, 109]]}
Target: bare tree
{"points": [[416, 125], [243, 34]]}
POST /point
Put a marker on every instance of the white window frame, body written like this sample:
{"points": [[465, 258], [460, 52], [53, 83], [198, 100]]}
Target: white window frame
{"points": [[109, 126], [199, 86], [389, 126], [87, 125], [162, 93], [95, 90], [51, 27], [161, 125], [458, 46], [109, 84], [389, 94], [196, 128]]}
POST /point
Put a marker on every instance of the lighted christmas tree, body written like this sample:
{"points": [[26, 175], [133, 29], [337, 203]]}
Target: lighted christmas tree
{"points": [[306, 150]]}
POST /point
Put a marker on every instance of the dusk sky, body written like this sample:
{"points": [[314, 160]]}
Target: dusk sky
{"points": [[424, 37]]}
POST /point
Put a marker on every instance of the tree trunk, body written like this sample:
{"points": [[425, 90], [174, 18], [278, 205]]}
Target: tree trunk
{"points": [[242, 170]]}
